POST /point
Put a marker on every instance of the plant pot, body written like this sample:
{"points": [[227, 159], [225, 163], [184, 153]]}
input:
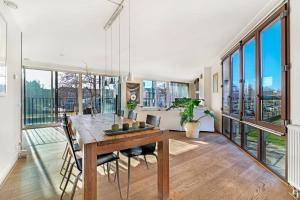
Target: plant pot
{"points": [[192, 129]]}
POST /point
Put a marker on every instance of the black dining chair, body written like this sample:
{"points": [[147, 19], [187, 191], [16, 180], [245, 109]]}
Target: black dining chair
{"points": [[149, 149], [144, 150], [101, 160], [67, 154]]}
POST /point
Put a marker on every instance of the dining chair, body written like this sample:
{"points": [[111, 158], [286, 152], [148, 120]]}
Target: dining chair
{"points": [[144, 150], [101, 160], [149, 149]]}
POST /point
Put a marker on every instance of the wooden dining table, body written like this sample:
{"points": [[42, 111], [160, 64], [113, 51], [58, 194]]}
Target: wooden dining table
{"points": [[94, 141]]}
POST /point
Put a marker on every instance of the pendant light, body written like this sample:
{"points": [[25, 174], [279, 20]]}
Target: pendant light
{"points": [[129, 77], [105, 81], [120, 77], [112, 80]]}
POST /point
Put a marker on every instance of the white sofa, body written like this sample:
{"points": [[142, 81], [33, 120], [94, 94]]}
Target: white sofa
{"points": [[170, 120]]}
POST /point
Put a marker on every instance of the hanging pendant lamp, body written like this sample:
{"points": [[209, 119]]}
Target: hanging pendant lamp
{"points": [[130, 76], [106, 86], [112, 80]]}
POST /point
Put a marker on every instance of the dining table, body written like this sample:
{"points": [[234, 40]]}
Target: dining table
{"points": [[90, 133]]}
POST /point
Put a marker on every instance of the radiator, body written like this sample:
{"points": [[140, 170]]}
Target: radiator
{"points": [[294, 156]]}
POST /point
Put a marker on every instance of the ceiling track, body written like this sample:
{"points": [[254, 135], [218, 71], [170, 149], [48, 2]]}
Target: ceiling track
{"points": [[114, 15]]}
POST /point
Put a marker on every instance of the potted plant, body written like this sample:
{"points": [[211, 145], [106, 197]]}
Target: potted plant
{"points": [[131, 105], [191, 125]]}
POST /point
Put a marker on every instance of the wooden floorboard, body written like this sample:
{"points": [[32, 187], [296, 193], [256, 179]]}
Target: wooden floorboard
{"points": [[210, 168]]}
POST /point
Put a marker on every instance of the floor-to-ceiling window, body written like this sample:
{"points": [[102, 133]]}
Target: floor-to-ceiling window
{"points": [[49, 94], [39, 97], [255, 93]]}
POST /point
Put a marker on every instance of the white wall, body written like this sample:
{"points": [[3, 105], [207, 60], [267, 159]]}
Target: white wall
{"points": [[216, 98], [295, 60], [10, 105]]}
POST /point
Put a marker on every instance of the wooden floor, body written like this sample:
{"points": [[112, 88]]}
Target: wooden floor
{"points": [[210, 168]]}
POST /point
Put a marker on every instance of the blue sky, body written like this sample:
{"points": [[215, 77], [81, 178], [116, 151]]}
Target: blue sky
{"points": [[270, 58]]}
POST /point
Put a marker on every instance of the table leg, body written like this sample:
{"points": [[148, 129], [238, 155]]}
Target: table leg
{"points": [[89, 172], [163, 169]]}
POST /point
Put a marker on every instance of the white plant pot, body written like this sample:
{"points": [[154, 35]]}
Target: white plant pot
{"points": [[192, 129]]}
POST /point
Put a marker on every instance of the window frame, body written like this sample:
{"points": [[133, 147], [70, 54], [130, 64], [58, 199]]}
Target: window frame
{"points": [[255, 34], [281, 13]]}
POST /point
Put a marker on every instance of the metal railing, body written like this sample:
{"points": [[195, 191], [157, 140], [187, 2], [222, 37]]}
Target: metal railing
{"points": [[39, 111]]}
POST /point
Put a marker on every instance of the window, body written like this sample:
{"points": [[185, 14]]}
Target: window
{"points": [[236, 134], [251, 139], [149, 94], [274, 151], [48, 94], [39, 97], [161, 94], [226, 86], [67, 84], [271, 73], [226, 127], [249, 79], [255, 92], [235, 87], [178, 90]]}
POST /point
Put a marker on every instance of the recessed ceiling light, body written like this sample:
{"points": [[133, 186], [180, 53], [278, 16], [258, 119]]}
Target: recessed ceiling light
{"points": [[10, 4], [61, 54]]}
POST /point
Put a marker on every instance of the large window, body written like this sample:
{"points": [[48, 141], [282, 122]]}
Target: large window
{"points": [[226, 86], [161, 94], [255, 92], [274, 151], [235, 87], [249, 64], [271, 76], [49, 94], [251, 139]]}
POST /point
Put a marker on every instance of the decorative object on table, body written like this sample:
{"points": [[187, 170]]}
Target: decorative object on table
{"points": [[125, 126], [135, 125], [187, 120], [130, 130], [3, 51], [142, 124], [115, 127], [133, 92], [215, 83]]}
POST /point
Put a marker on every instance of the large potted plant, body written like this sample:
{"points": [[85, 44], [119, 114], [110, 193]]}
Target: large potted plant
{"points": [[191, 125]]}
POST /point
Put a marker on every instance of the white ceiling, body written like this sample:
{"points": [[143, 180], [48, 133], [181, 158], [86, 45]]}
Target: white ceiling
{"points": [[171, 39]]}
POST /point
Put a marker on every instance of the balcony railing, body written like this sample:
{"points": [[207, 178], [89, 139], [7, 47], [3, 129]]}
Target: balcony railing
{"points": [[39, 111]]}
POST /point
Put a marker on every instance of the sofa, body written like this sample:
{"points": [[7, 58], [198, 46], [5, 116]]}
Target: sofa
{"points": [[170, 120]]}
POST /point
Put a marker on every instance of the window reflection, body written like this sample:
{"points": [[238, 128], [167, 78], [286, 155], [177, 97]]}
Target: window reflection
{"points": [[226, 127], [236, 134], [271, 73], [235, 88], [274, 152], [251, 139], [226, 86], [249, 79]]}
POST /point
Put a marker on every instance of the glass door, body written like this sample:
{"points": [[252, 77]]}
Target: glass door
{"points": [[39, 97]]}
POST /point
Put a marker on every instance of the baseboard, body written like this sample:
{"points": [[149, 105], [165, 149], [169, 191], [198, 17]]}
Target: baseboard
{"points": [[4, 173]]}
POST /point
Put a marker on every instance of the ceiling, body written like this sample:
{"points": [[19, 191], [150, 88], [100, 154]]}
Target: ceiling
{"points": [[170, 39]]}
